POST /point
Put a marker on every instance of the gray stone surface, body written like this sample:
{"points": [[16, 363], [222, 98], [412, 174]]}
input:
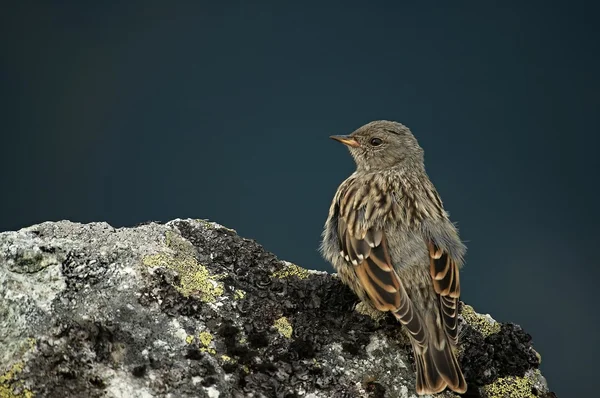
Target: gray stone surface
{"points": [[190, 309]]}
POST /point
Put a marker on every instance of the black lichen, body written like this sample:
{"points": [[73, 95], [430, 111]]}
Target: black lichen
{"points": [[319, 308], [505, 353], [513, 352]]}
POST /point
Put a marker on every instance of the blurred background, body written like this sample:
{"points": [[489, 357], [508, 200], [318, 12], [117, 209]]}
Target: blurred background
{"points": [[222, 110]]}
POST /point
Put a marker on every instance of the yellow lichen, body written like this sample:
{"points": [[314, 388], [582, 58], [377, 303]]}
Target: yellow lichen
{"points": [[284, 327], [206, 223], [194, 277], [179, 244], [10, 386], [205, 338], [509, 387], [291, 270], [189, 339], [30, 343], [481, 323], [200, 282], [227, 358], [218, 277], [370, 311], [246, 369], [157, 260], [239, 294]]}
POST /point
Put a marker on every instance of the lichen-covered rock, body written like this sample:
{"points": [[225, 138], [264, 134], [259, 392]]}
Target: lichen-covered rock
{"points": [[190, 309]]}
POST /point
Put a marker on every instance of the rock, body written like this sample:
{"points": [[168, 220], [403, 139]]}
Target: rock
{"points": [[190, 309]]}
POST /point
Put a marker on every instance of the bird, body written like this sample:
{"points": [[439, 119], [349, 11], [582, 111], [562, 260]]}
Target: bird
{"points": [[391, 241]]}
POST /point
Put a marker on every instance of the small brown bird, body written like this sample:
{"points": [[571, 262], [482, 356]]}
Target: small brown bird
{"points": [[390, 240]]}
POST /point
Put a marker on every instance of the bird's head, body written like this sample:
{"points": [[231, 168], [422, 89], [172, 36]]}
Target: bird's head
{"points": [[381, 145]]}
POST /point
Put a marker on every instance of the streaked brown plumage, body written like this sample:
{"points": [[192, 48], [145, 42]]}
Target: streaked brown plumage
{"points": [[391, 241]]}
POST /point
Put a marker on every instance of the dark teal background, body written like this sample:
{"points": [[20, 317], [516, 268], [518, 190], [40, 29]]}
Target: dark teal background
{"points": [[221, 110]]}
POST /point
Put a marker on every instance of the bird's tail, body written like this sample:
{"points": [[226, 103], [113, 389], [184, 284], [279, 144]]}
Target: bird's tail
{"points": [[437, 366]]}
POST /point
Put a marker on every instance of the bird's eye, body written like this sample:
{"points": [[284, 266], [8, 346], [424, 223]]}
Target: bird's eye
{"points": [[376, 141]]}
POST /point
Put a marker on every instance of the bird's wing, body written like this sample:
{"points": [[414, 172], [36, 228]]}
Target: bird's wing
{"points": [[364, 246], [446, 282]]}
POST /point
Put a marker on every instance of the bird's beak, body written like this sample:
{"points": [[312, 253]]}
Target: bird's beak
{"points": [[346, 139]]}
